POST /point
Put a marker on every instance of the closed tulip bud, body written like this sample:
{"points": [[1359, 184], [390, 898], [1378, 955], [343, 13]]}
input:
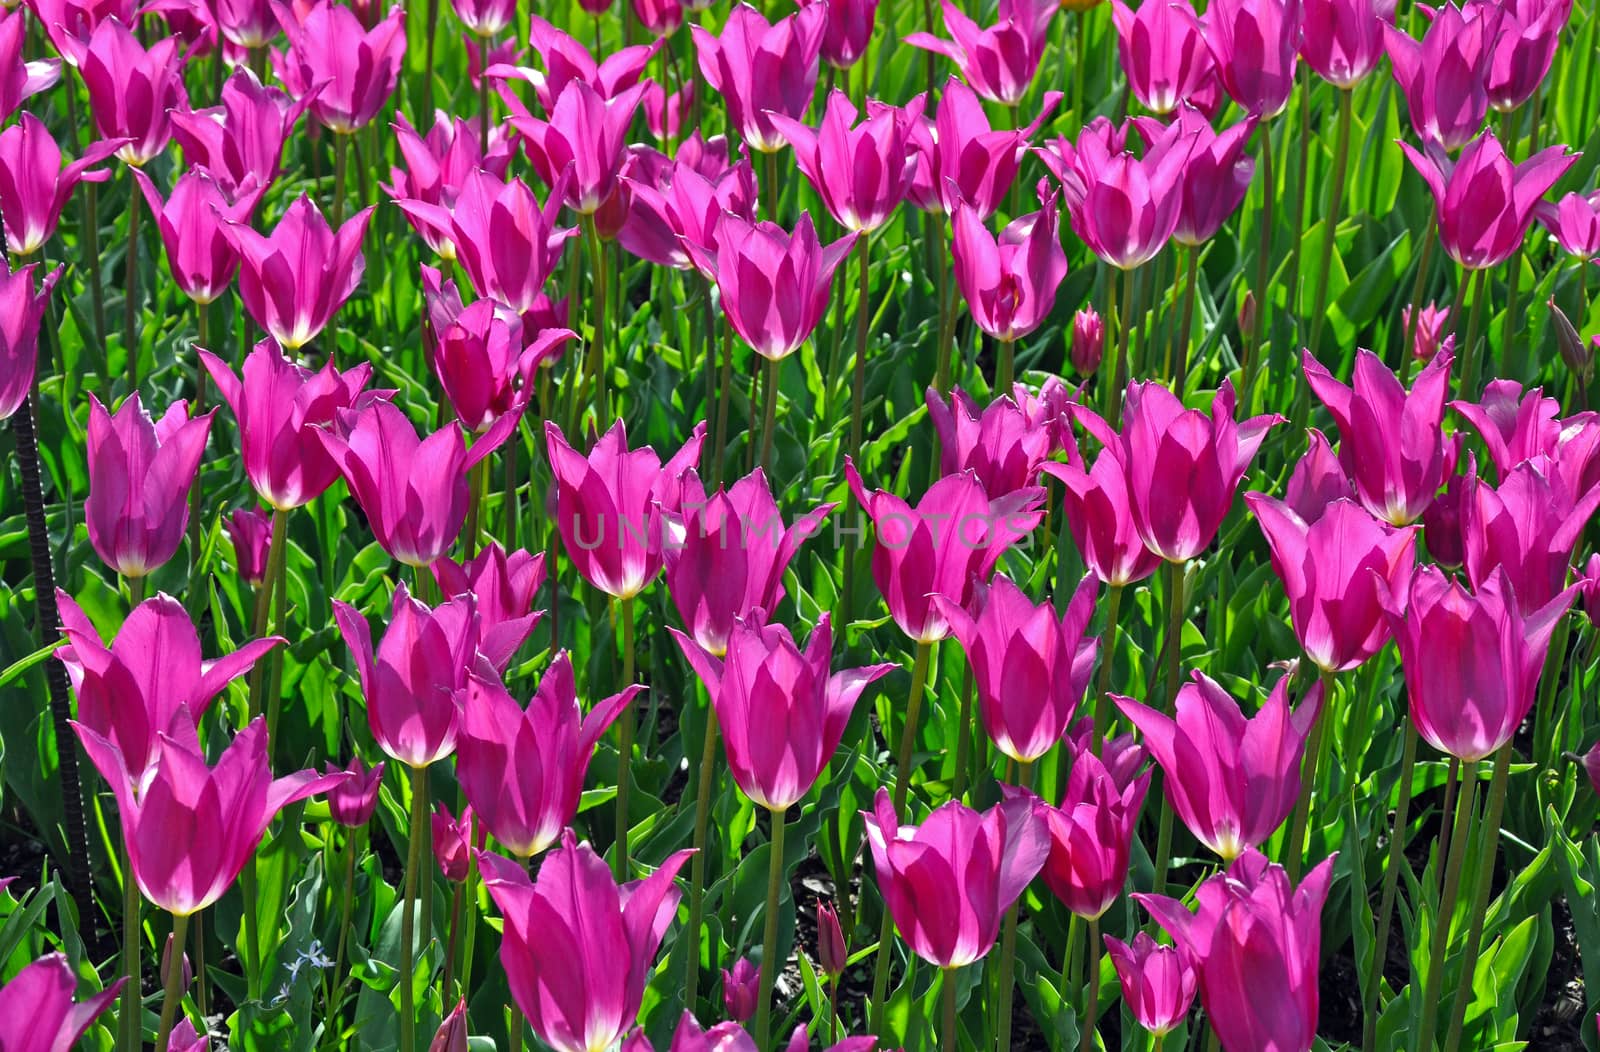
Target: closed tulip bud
{"points": [[241, 142], [34, 187], [1318, 479], [1441, 523], [21, 310], [1445, 75], [1230, 780], [1569, 344], [1091, 835], [961, 159], [761, 68], [1247, 312], [1432, 325], [1158, 982], [185, 1038], [185, 970], [658, 17], [1088, 342], [250, 531], [452, 1035], [1574, 221], [352, 803], [37, 1010], [833, 953], [1163, 52], [1589, 587], [1528, 527], [740, 990], [1100, 520], [452, 841], [346, 70], [1010, 282], [663, 111], [998, 62], [295, 279], [132, 91]]}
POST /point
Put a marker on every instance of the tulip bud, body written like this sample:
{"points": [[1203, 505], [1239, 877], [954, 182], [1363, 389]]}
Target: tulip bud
{"points": [[1591, 765], [187, 976], [1441, 520], [740, 989], [351, 803], [1589, 587], [250, 530], [452, 1035], [452, 842], [1432, 323], [1247, 313], [1088, 341], [1579, 359], [832, 950]]}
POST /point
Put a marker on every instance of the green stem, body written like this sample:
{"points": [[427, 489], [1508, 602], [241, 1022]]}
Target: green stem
{"points": [[1469, 370], [258, 629], [1091, 1002], [1419, 284], [947, 994], [597, 361], [1174, 648], [90, 220], [771, 188], [1391, 883], [697, 863], [341, 149], [200, 963], [770, 966], [278, 566], [963, 736], [516, 1028], [1263, 293], [487, 43], [427, 60], [197, 491], [863, 311], [1452, 782], [625, 744], [1108, 651], [1180, 369], [724, 384], [1124, 330], [1341, 160], [470, 940], [128, 1022], [352, 848], [946, 329], [1447, 908], [451, 941], [1295, 848], [1005, 367], [1109, 368], [1008, 948], [130, 296], [770, 422], [408, 908], [1488, 848], [174, 981]]}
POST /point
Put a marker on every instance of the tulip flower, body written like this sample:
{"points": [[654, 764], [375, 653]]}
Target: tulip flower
{"points": [[522, 769], [861, 171], [1215, 176], [351, 803], [21, 80], [1099, 516], [132, 91], [189, 828], [948, 881], [1010, 282], [1343, 39], [954, 536], [485, 18], [130, 692], [739, 990], [1158, 982], [1574, 221], [1588, 583], [1591, 765], [728, 566], [687, 209], [21, 311], [1331, 568], [1445, 75], [1030, 666], [1515, 427], [281, 407], [452, 1033], [451, 839], [960, 158], [999, 62], [294, 280], [1254, 45], [577, 949], [833, 954], [1125, 208], [1048, 408], [761, 68], [191, 222], [34, 188], [664, 112], [1432, 329], [347, 71], [1523, 47], [566, 60], [240, 142], [780, 712], [1230, 780], [37, 1013], [250, 531], [1485, 201], [610, 505], [411, 680], [413, 490], [731, 1037], [1163, 52], [774, 285], [1001, 444], [1527, 527], [503, 587], [658, 17], [1441, 523], [1182, 466], [847, 30], [1256, 941], [1318, 479], [1091, 833], [140, 472], [585, 135], [247, 24], [1390, 441], [437, 165]]}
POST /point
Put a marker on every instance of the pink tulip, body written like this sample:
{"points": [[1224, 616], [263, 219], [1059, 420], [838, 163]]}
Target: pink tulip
{"points": [[34, 188], [847, 31], [189, 828], [658, 17], [728, 566], [281, 407], [191, 22], [577, 949], [1256, 941], [960, 158], [483, 56], [351, 804], [451, 840], [1030, 666], [485, 18], [192, 223], [1000, 443], [1343, 41], [1515, 427], [1469, 709], [998, 62], [1523, 48], [1231, 780], [833, 953], [1254, 44], [1163, 52], [1441, 523], [774, 285], [241, 141], [347, 71], [250, 531], [780, 712], [130, 692], [295, 279], [503, 588], [1099, 515], [954, 536], [1215, 176], [585, 135], [1125, 208], [412, 490], [452, 1034], [663, 112], [21, 311], [1574, 221], [1088, 342], [1010, 282], [1445, 76], [411, 679], [1433, 330], [948, 881], [1049, 409], [436, 166], [21, 80], [1528, 528], [732, 1037], [522, 769], [37, 1013], [611, 506], [566, 60], [1182, 465], [1390, 440], [861, 171], [1318, 479], [761, 68], [247, 24], [1158, 982], [740, 990], [1485, 201], [686, 208], [140, 472], [132, 92]]}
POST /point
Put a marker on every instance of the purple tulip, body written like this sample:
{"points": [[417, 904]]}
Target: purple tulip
{"points": [[1158, 982], [351, 804], [37, 1013], [1445, 75], [21, 311], [1125, 208], [1001, 443], [503, 588], [140, 473], [961, 159], [132, 91], [346, 70], [295, 279], [1343, 40], [34, 188], [1010, 282], [761, 68], [1526, 527], [1163, 52], [998, 62], [1254, 44]]}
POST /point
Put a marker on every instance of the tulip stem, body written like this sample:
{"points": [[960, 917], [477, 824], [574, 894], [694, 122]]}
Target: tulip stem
{"points": [[697, 862], [770, 421], [264, 611], [1391, 881], [770, 186], [197, 491], [1109, 407], [770, 966], [1180, 366], [278, 567], [963, 736], [1252, 349], [408, 908], [946, 330], [1295, 849], [1005, 367], [1341, 159], [174, 981], [487, 43], [1008, 947], [724, 383], [470, 936], [200, 963], [1108, 654], [1489, 847], [128, 1023], [130, 302], [863, 310], [1124, 330], [1418, 286], [515, 1028], [90, 223], [1174, 650], [352, 848], [1091, 1003], [597, 349], [624, 744], [1469, 369], [1447, 906], [947, 994]]}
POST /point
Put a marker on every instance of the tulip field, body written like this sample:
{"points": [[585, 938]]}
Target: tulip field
{"points": [[628, 525]]}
